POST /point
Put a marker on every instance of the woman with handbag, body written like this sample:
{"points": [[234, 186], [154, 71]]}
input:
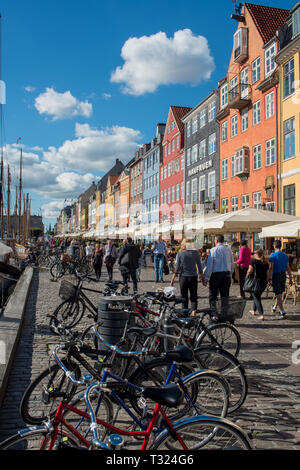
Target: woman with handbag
{"points": [[256, 280]]}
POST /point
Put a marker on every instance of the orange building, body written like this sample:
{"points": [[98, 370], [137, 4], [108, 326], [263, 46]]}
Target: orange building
{"points": [[248, 112]]}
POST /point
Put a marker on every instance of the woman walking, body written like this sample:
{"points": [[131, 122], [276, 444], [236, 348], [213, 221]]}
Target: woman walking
{"points": [[188, 266], [98, 260], [258, 269], [110, 257]]}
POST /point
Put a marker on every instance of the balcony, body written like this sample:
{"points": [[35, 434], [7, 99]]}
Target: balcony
{"points": [[242, 163], [240, 96], [240, 45]]}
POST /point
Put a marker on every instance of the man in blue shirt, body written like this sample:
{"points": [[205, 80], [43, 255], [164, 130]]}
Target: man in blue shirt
{"points": [[279, 265], [219, 269], [159, 250]]}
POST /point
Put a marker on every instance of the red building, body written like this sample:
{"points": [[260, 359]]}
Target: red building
{"points": [[171, 180]]}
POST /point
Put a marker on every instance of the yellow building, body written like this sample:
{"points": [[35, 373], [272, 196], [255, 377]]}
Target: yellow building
{"points": [[288, 59]]}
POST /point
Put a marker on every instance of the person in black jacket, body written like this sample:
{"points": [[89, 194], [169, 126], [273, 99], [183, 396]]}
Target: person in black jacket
{"points": [[129, 261]]}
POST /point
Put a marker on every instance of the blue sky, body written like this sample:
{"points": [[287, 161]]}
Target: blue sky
{"points": [[58, 60]]}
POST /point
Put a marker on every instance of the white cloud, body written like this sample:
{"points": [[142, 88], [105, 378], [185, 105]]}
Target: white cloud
{"points": [[95, 150], [62, 105], [30, 89], [151, 61], [106, 96]]}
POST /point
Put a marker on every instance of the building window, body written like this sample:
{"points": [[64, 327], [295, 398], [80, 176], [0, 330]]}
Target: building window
{"points": [[211, 111], [289, 78], [202, 149], [166, 150], [169, 148], [244, 81], [194, 124], [212, 186], [257, 200], [173, 125], [194, 153], [202, 184], [270, 152], [177, 142], [225, 205], [289, 194], [188, 194], [224, 131], [256, 70], [256, 113], [182, 162], [161, 174], [296, 22], [244, 120], [203, 118], [234, 203], [169, 195], [289, 138], [182, 190], [257, 157], [188, 129], [169, 169], [169, 129], [165, 196], [234, 126], [212, 143], [224, 96], [245, 201], [173, 193], [225, 169], [188, 157], [233, 84], [269, 105], [177, 165], [194, 191], [173, 145], [177, 192], [165, 171], [233, 166], [270, 60]]}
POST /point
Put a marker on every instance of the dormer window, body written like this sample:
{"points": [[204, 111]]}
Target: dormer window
{"points": [[240, 45], [296, 22], [270, 64]]}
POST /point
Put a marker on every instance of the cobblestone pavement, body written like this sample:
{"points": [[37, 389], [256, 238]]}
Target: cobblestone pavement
{"points": [[272, 408]]}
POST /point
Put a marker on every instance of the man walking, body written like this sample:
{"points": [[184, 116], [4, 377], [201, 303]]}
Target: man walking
{"points": [[278, 266], [243, 264], [159, 250], [128, 261], [219, 269]]}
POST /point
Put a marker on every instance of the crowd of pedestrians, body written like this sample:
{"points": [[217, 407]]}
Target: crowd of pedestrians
{"points": [[214, 268]]}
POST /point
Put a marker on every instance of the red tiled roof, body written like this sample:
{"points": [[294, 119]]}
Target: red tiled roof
{"points": [[267, 19], [179, 112]]}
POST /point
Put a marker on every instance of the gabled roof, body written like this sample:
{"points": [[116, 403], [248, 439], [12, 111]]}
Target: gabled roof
{"points": [[115, 170], [179, 112], [267, 19]]}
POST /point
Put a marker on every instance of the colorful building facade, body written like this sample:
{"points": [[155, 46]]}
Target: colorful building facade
{"points": [[288, 59]]}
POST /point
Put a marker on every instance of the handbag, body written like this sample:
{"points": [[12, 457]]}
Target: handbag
{"points": [[252, 284], [125, 260], [166, 268]]}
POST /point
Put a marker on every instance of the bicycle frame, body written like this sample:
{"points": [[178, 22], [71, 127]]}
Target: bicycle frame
{"points": [[145, 432]]}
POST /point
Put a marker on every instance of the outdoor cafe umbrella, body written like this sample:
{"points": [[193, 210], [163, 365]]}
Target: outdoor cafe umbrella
{"points": [[247, 220], [287, 230]]}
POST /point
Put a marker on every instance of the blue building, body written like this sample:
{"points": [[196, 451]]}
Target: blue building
{"points": [[151, 168]]}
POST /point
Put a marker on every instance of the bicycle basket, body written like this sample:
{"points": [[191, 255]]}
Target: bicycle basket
{"points": [[67, 290], [230, 308]]}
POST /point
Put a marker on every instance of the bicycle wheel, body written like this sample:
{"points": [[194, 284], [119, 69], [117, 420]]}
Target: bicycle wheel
{"points": [[68, 313], [206, 433], [222, 335], [228, 365], [43, 395], [204, 391], [37, 439], [57, 270]]}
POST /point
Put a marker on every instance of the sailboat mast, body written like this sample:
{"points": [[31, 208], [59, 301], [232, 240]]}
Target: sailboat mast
{"points": [[20, 196], [8, 202]]}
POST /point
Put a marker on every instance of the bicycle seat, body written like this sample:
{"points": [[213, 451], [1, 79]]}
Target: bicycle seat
{"points": [[180, 354], [186, 322], [142, 331], [170, 395]]}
